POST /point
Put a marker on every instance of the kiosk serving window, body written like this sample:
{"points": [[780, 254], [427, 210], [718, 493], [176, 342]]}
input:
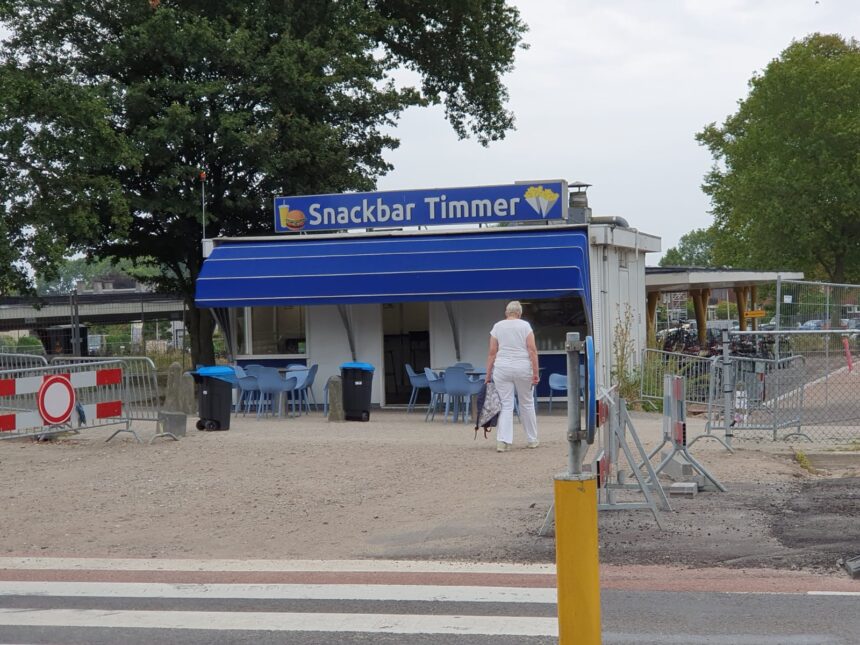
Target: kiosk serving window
{"points": [[277, 330], [552, 319]]}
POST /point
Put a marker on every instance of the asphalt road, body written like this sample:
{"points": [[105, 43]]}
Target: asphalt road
{"points": [[405, 604], [628, 616]]}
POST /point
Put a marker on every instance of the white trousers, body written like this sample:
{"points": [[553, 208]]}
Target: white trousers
{"points": [[507, 380]]}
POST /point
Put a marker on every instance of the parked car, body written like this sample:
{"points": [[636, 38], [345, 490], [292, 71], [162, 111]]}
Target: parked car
{"points": [[768, 326], [812, 324]]}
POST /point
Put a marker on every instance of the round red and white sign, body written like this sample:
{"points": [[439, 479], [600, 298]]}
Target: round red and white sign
{"points": [[56, 399]]}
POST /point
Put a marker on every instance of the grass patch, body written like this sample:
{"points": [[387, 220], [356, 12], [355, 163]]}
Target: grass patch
{"points": [[803, 461]]}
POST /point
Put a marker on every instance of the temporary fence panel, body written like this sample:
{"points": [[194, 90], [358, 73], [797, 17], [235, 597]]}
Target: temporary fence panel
{"points": [[657, 364], [821, 321], [675, 432], [140, 384], [831, 386], [766, 394], [58, 398], [816, 306], [21, 360], [616, 465]]}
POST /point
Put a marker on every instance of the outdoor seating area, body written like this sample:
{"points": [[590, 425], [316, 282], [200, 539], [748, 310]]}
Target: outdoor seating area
{"points": [[452, 389], [265, 391], [272, 390]]}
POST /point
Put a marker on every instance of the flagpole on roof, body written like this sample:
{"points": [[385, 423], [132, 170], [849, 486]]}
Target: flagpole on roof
{"points": [[203, 199]]}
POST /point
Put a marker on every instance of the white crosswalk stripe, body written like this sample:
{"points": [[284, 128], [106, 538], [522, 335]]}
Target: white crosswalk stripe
{"points": [[269, 566], [420, 593], [287, 621], [93, 596]]}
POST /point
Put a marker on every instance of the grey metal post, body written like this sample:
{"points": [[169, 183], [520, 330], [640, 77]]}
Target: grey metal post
{"points": [[142, 328], [350, 338], [778, 326], [452, 320], [778, 302], [827, 325], [728, 387], [76, 324], [575, 435], [203, 200]]}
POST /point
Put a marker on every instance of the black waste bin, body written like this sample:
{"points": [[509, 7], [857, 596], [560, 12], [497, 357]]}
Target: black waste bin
{"points": [[215, 396], [357, 381]]}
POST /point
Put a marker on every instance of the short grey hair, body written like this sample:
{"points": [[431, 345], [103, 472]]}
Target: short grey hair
{"points": [[514, 307]]}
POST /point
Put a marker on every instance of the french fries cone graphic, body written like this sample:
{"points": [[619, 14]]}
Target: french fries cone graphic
{"points": [[541, 199]]}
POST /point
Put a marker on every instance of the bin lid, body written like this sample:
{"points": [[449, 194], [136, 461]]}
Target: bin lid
{"points": [[223, 372], [367, 367]]}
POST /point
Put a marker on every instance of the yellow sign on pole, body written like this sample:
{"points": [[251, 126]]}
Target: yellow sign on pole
{"points": [[756, 313]]}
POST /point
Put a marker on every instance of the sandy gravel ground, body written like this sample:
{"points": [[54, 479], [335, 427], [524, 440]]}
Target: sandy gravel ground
{"points": [[395, 487]]}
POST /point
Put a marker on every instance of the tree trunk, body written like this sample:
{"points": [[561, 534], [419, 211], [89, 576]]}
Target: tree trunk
{"points": [[838, 275], [201, 326]]}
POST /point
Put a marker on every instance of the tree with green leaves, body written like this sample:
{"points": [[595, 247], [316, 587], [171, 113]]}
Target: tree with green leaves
{"points": [[112, 111], [695, 249], [785, 187]]}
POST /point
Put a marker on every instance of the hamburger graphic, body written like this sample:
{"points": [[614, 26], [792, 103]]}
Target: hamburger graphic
{"points": [[293, 220]]}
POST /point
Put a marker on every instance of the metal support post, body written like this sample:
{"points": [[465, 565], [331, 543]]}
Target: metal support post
{"points": [[76, 324], [575, 435], [455, 333], [576, 544], [350, 338], [728, 388], [778, 312]]}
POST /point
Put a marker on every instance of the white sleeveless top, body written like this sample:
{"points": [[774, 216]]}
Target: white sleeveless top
{"points": [[511, 335]]}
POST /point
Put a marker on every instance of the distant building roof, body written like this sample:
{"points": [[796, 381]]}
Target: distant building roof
{"points": [[687, 278]]}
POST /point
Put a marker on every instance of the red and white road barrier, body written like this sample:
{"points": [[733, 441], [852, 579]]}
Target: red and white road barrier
{"points": [[56, 399]]}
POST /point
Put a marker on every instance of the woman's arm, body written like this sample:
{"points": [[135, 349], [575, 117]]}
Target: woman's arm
{"points": [[491, 357], [530, 345]]}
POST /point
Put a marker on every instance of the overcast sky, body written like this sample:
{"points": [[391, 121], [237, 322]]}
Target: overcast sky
{"points": [[612, 93]]}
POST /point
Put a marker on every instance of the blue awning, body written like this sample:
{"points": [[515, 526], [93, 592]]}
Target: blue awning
{"points": [[486, 264]]}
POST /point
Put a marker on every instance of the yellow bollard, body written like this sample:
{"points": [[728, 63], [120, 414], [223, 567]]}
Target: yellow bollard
{"points": [[576, 560]]}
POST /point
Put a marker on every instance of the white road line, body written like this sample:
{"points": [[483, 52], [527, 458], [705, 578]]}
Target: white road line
{"points": [[292, 622], [428, 593], [833, 593], [376, 566]]}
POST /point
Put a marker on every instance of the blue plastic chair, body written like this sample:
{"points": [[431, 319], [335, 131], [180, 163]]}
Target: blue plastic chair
{"points": [[465, 366], [460, 390], [557, 383], [288, 386], [254, 370], [248, 390], [300, 373], [563, 381], [271, 386], [418, 382], [304, 389], [437, 393]]}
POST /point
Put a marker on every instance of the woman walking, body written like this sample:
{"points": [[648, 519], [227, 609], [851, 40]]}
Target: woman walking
{"points": [[512, 364]]}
